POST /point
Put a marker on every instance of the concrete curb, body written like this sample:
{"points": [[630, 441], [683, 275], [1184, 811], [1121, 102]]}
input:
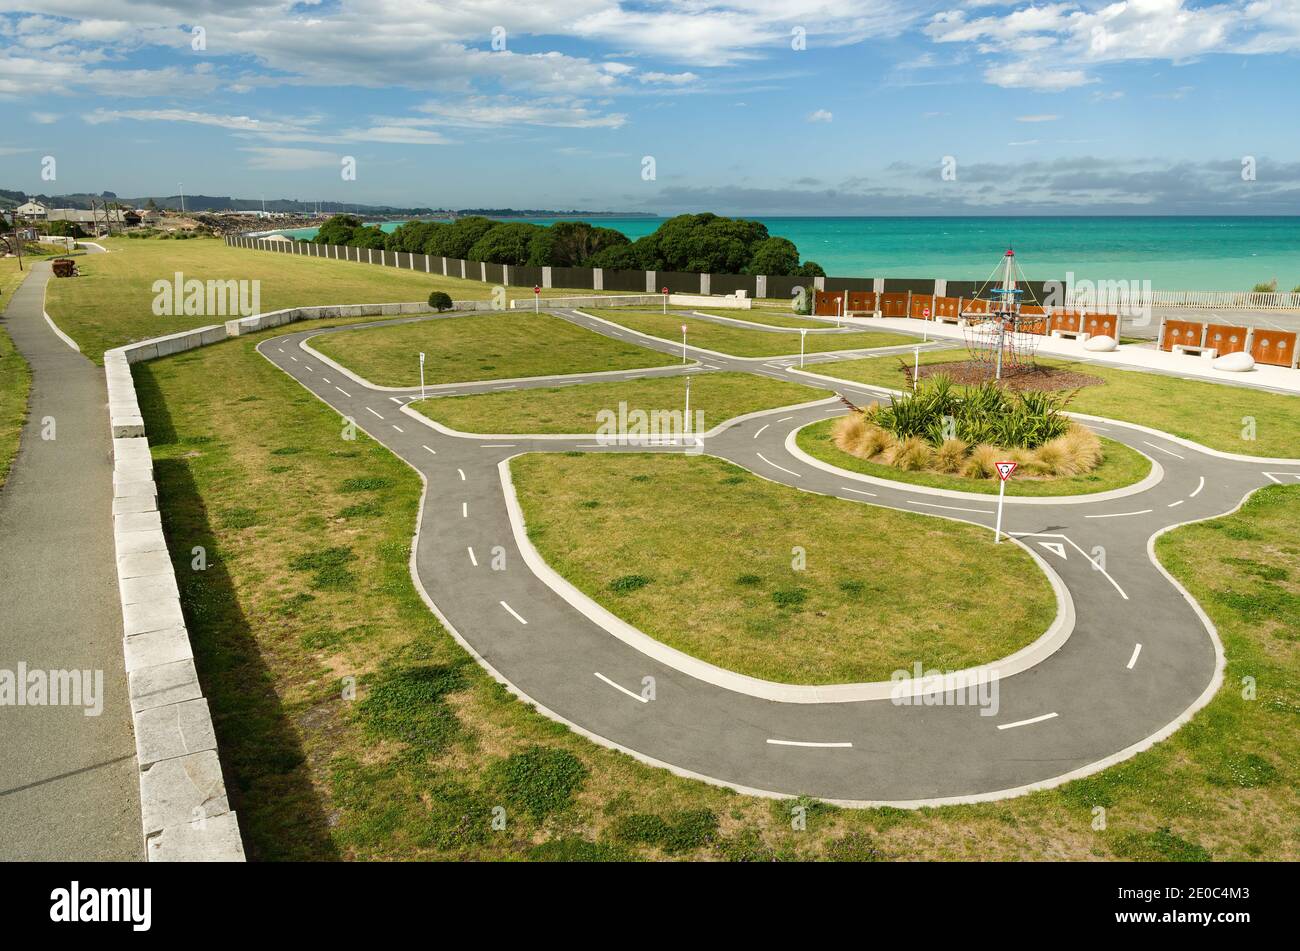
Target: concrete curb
{"points": [[1036, 652], [1153, 478]]}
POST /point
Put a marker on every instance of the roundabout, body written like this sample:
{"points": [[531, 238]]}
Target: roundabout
{"points": [[1139, 658]]}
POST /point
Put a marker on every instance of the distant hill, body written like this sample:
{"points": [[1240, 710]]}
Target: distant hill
{"points": [[197, 203]]}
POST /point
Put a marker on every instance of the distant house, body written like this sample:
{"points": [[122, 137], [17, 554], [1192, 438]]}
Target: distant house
{"points": [[30, 209], [97, 220]]}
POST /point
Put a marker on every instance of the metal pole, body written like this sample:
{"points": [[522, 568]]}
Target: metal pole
{"points": [[997, 530], [916, 369], [802, 336], [683, 340], [421, 376], [686, 420]]}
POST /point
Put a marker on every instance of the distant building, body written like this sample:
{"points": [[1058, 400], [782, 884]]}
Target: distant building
{"points": [[30, 209], [97, 220]]}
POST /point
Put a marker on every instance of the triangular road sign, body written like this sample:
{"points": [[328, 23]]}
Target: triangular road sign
{"points": [[1005, 469], [1055, 547]]}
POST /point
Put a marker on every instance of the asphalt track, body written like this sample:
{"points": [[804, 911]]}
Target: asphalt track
{"points": [[1140, 659]]}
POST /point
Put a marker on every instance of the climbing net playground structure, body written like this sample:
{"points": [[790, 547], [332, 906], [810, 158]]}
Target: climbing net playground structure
{"points": [[1002, 330]]}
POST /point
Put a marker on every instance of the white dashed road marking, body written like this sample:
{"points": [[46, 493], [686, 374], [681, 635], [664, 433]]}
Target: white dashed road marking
{"points": [[373, 413], [398, 428], [1200, 485], [344, 392], [845, 488], [1009, 726], [462, 474], [760, 430], [954, 508], [515, 615], [1137, 649], [622, 689], [428, 450], [1119, 514], [464, 510], [806, 743], [775, 466], [472, 560], [1162, 449]]}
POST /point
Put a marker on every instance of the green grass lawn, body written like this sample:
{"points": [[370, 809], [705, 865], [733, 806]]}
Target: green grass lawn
{"points": [[111, 303], [308, 584], [1212, 414], [771, 318], [495, 346], [711, 572], [737, 341], [1122, 466], [15, 375], [574, 409]]}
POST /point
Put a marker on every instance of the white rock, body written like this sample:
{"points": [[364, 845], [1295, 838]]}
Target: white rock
{"points": [[1238, 362], [1101, 342]]}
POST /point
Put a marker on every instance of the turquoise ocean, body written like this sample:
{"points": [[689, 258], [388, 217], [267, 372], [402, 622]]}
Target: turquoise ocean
{"points": [[1173, 253]]}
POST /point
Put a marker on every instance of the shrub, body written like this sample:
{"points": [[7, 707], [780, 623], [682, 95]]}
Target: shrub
{"points": [[440, 301], [912, 454], [951, 455], [980, 464], [1269, 288]]}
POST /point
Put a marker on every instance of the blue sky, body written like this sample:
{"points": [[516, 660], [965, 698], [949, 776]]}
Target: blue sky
{"points": [[750, 106]]}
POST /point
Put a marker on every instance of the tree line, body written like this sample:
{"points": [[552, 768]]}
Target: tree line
{"points": [[703, 243]]}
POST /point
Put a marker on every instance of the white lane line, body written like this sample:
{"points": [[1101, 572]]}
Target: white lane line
{"points": [[784, 418], [462, 474], [1095, 562], [1137, 649], [834, 409], [511, 387], [513, 613], [327, 379], [464, 510], [1009, 726], [497, 445], [344, 392], [398, 428], [805, 743], [373, 413], [281, 349], [1200, 485], [765, 425], [1173, 504], [775, 466], [954, 508], [472, 560], [293, 358], [1119, 514], [621, 688], [1273, 477], [845, 488], [428, 450], [1162, 449], [396, 400], [309, 368]]}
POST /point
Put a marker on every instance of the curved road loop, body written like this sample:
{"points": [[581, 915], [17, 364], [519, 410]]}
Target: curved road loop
{"points": [[1141, 658]]}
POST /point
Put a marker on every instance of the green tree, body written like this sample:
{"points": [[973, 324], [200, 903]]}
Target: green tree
{"points": [[455, 239], [337, 229], [507, 243], [810, 269], [574, 243], [701, 243], [440, 301], [616, 257], [775, 256]]}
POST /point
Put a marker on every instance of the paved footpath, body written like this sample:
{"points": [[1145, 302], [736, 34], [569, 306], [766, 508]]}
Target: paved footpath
{"points": [[69, 787]]}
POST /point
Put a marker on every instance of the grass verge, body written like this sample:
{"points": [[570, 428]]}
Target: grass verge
{"points": [[1216, 415], [739, 342], [15, 375], [575, 409], [775, 583], [111, 303], [496, 346], [1121, 466]]}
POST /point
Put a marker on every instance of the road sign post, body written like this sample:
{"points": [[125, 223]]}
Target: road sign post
{"points": [[802, 335], [537, 299], [916, 369], [421, 375], [683, 341], [686, 420], [1004, 473], [666, 303]]}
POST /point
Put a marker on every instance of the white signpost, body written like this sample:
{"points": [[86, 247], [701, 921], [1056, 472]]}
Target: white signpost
{"points": [[666, 305], [421, 375], [537, 299], [802, 334], [1004, 473], [683, 341]]}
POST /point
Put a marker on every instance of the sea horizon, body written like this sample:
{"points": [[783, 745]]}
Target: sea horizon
{"points": [[1172, 252]]}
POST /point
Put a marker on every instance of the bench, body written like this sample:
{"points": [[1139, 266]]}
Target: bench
{"points": [[1195, 350]]}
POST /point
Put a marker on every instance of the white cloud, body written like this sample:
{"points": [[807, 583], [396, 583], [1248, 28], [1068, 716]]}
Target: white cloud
{"points": [[821, 115], [265, 158], [45, 118], [504, 111], [1043, 117], [668, 79]]}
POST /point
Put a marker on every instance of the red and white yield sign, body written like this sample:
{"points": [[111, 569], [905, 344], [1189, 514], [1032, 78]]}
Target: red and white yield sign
{"points": [[926, 313], [1005, 469], [536, 289]]}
